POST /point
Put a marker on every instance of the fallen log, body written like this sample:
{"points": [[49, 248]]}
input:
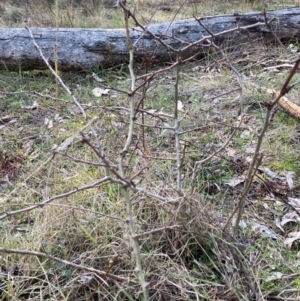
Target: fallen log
{"points": [[80, 49]]}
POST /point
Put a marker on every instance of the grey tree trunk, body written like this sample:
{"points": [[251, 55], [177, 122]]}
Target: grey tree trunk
{"points": [[79, 49]]}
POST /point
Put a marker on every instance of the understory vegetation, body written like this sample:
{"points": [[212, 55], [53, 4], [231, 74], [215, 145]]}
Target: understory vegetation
{"points": [[133, 196]]}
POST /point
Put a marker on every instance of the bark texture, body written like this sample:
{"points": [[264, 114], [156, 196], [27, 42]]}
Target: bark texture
{"points": [[80, 49]]}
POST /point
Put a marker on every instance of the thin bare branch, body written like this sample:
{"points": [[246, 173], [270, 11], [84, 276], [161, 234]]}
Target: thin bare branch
{"points": [[66, 194], [126, 191], [154, 231], [65, 262], [176, 128], [61, 82]]}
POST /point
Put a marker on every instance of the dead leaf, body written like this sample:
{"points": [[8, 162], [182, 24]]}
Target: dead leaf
{"points": [[268, 172], [63, 146], [34, 155], [295, 203], [278, 224], [236, 181], [289, 179], [245, 133], [250, 150], [293, 236], [7, 119], [97, 78], [164, 132], [152, 111], [85, 279], [34, 106], [242, 223], [293, 48], [231, 151], [50, 124], [180, 106], [263, 229], [27, 146], [274, 276], [98, 92], [290, 217]]}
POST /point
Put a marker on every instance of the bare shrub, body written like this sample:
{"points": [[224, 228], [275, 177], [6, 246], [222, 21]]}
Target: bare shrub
{"points": [[132, 204]]}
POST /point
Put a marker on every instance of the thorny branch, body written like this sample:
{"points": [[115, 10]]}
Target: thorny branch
{"points": [[126, 192]]}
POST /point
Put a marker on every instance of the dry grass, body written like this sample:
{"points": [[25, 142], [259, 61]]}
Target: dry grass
{"points": [[100, 13], [189, 258]]}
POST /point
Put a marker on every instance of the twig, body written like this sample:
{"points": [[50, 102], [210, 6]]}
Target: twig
{"points": [[82, 161], [79, 209], [58, 78], [106, 162], [32, 174], [176, 129], [65, 262], [268, 25], [39, 205], [158, 230]]}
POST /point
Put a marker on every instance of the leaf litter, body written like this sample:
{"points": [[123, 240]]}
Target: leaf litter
{"points": [[221, 180]]}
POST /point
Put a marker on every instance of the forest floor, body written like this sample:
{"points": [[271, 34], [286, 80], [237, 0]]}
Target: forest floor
{"points": [[76, 245]]}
